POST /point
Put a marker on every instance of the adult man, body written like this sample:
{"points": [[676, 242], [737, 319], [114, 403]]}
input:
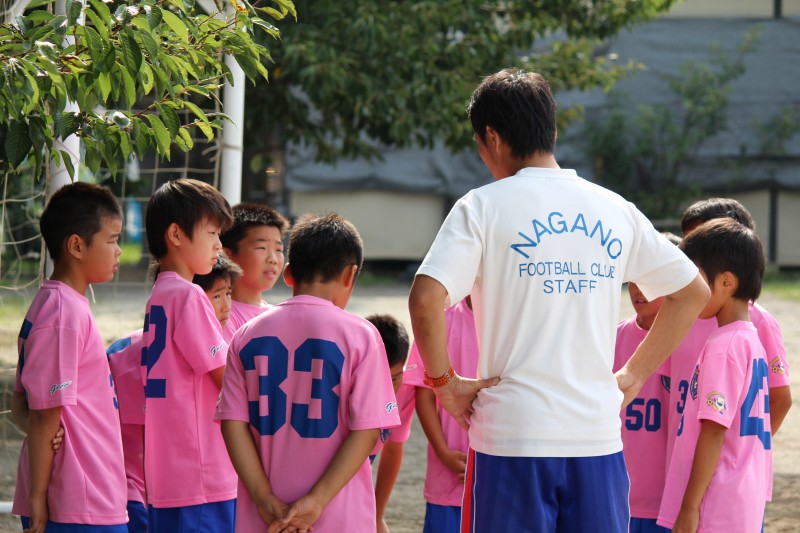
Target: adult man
{"points": [[544, 254]]}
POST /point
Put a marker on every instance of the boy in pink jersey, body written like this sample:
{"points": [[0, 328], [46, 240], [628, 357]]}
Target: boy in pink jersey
{"points": [[390, 442], [218, 285], [125, 360], [255, 243], [447, 440], [64, 375], [306, 391], [720, 475], [191, 484], [644, 421], [769, 333]]}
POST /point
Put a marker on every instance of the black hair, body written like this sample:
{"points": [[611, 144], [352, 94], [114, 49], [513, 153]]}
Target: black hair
{"points": [[184, 202], [76, 209], [724, 245], [712, 208], [520, 107], [394, 335], [224, 268], [671, 237], [321, 247], [248, 215]]}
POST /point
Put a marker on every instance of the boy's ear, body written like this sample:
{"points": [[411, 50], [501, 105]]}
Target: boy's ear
{"points": [[287, 275], [729, 282], [348, 276], [174, 234], [75, 246]]}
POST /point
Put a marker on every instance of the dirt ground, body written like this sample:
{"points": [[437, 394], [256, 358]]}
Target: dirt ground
{"points": [[119, 309]]}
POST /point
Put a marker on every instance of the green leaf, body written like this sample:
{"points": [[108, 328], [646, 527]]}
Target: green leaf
{"points": [[18, 143], [199, 113], [131, 51], [205, 127], [128, 87], [95, 43], [150, 45], [161, 134], [170, 118], [66, 124], [98, 23], [74, 12], [65, 157], [146, 78], [39, 15], [154, 16], [102, 10], [141, 136], [176, 24], [104, 85], [38, 3], [187, 138]]}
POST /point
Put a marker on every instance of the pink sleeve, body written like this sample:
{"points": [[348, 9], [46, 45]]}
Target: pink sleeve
{"points": [[198, 335], [233, 402], [50, 374], [406, 401], [414, 372], [372, 403], [769, 333], [720, 384]]}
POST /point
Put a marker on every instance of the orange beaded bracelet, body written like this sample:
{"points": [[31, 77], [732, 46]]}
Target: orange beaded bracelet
{"points": [[441, 381]]}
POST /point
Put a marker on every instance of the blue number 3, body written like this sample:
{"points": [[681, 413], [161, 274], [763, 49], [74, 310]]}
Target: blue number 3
{"points": [[278, 370], [754, 425]]}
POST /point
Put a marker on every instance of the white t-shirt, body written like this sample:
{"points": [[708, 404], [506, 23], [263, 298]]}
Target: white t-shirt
{"points": [[544, 254]]}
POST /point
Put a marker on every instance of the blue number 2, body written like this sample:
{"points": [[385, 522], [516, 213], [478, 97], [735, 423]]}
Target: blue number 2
{"points": [[156, 318], [277, 372], [754, 425]]}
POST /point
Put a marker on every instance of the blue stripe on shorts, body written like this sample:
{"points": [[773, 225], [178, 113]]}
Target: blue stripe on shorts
{"points": [[441, 518], [59, 527], [216, 517]]}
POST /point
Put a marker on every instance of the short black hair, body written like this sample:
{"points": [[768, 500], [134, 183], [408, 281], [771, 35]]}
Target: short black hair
{"points": [[223, 269], [185, 202], [671, 237], [247, 215], [321, 247], [76, 209], [520, 107], [712, 208], [394, 335], [724, 245]]}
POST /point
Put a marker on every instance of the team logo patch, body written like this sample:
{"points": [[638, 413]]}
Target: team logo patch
{"points": [[776, 366], [716, 400], [666, 382], [391, 406], [59, 387], [216, 349], [693, 384]]}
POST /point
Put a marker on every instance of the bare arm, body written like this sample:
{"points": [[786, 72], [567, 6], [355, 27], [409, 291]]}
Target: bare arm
{"points": [[426, 305], [780, 401], [246, 462], [42, 425], [348, 459], [706, 457], [388, 468], [19, 411], [216, 375], [674, 319], [432, 426]]}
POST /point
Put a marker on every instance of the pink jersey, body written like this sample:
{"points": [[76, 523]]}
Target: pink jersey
{"points": [[240, 315], [405, 404], [644, 428], [125, 360], [680, 369], [186, 461], [62, 363], [730, 388], [769, 333], [442, 486], [304, 374]]}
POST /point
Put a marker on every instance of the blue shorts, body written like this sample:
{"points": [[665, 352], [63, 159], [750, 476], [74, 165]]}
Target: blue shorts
{"points": [[58, 527], [137, 517], [442, 519], [216, 517], [646, 525], [554, 494]]}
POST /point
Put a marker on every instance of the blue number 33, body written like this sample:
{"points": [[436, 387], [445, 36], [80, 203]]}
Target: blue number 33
{"points": [[269, 385]]}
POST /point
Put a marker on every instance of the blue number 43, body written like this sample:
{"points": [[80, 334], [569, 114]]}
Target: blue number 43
{"points": [[754, 425]]}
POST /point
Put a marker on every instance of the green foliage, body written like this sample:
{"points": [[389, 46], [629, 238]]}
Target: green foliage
{"points": [[106, 58], [643, 154], [401, 73]]}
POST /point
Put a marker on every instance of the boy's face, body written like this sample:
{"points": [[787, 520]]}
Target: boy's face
{"points": [[397, 375], [643, 307], [200, 252], [260, 256], [101, 259], [220, 296]]}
